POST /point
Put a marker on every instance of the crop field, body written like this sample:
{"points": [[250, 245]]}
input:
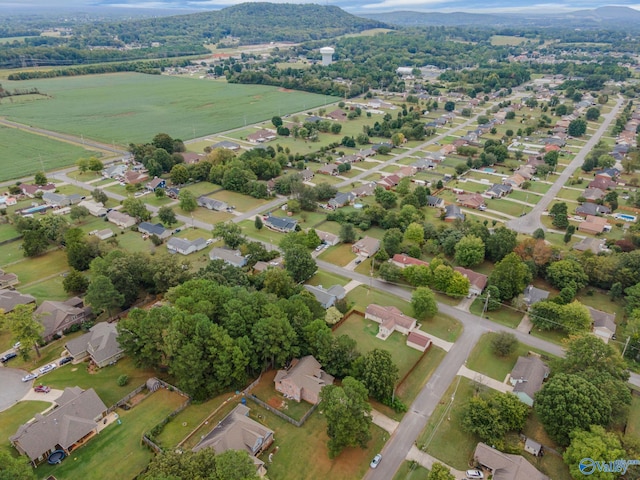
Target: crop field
{"points": [[26, 153], [128, 107]]}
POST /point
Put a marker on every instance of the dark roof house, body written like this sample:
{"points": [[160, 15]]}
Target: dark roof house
{"points": [[527, 377]]}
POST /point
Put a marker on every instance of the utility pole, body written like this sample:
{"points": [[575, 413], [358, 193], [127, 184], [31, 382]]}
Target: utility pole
{"points": [[486, 304], [626, 344]]}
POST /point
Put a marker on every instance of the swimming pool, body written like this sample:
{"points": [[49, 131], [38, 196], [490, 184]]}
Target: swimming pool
{"points": [[489, 170], [625, 217]]}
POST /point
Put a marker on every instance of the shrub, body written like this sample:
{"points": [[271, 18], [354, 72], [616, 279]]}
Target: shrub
{"points": [[122, 380], [504, 343]]}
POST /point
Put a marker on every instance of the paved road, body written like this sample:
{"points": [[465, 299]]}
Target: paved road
{"points": [[13, 388], [530, 222]]}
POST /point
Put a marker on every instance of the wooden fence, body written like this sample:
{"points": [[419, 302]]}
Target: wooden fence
{"points": [[275, 411]]}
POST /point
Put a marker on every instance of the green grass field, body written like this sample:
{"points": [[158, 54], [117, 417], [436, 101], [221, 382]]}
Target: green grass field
{"points": [[129, 107], [25, 153], [11, 419], [411, 471]]}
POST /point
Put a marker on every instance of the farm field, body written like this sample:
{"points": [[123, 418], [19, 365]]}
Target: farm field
{"points": [[26, 153], [128, 107]]}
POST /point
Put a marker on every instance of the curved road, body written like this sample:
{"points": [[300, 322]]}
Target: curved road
{"points": [[531, 221]]}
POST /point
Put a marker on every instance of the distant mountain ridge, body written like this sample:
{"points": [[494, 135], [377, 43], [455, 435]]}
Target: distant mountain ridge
{"points": [[611, 16]]}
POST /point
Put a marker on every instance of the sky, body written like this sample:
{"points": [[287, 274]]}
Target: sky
{"points": [[354, 6]]}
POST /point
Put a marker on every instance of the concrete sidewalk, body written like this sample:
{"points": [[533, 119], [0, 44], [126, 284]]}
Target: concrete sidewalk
{"points": [[427, 461], [484, 380], [384, 422]]}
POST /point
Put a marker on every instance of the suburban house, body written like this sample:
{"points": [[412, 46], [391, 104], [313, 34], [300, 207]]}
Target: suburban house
{"points": [[515, 180], [594, 225], [389, 182], [261, 136], [9, 299], [230, 257], [114, 171], [173, 192], [8, 201], [327, 297], [593, 194], [59, 200], [365, 190], [133, 177], [328, 169], [261, 266], [505, 466], [471, 200], [96, 209], [453, 213], [424, 164], [527, 377], [156, 229], [338, 115], [603, 182], [589, 208], [596, 245], [435, 202], [279, 224], [73, 421], [122, 220], [499, 190], [212, 204], [100, 344], [477, 281], [237, 431], [328, 238], [184, 246], [156, 183], [303, 380], [31, 190], [366, 246], [604, 324], [341, 200], [534, 295], [390, 320], [401, 260], [58, 316], [533, 447], [306, 174], [104, 233], [8, 279], [419, 340], [227, 145]]}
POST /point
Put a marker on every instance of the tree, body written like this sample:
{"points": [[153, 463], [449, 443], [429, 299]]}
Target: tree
{"points": [[592, 114], [75, 282], [378, 373], [12, 468], [40, 179], [510, 275], [24, 327], [82, 164], [503, 343], [424, 304], [390, 272], [231, 234], [78, 213], [95, 164], [440, 472], [597, 444], [348, 415], [274, 338], [414, 234], [449, 106], [299, 263], [589, 353], [500, 243], [257, 223], [392, 240], [99, 196], [347, 233], [204, 465], [167, 215], [136, 208], [188, 202], [567, 273], [102, 295], [559, 214], [491, 417], [458, 285], [567, 402], [577, 128], [469, 251], [551, 158], [34, 242], [179, 174], [276, 121]]}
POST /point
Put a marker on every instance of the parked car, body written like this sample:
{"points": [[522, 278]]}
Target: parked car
{"points": [[42, 389], [65, 360], [17, 345], [29, 376], [474, 474], [376, 461], [48, 368], [8, 356]]}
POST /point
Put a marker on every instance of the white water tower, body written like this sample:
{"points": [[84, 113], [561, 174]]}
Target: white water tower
{"points": [[327, 55]]}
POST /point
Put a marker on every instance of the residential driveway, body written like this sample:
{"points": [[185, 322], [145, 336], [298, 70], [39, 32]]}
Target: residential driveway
{"points": [[13, 388]]}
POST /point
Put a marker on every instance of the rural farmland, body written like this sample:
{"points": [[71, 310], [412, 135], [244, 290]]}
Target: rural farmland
{"points": [[129, 107]]}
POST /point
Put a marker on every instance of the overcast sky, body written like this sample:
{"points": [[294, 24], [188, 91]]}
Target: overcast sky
{"points": [[532, 6]]}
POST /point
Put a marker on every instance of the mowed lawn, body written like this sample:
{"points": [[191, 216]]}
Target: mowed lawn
{"points": [[117, 452], [131, 107], [25, 153], [11, 419]]}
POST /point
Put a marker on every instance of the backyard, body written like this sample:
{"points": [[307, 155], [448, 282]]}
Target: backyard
{"points": [[12, 418]]}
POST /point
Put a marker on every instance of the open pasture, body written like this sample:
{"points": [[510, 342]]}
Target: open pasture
{"points": [[130, 107]]}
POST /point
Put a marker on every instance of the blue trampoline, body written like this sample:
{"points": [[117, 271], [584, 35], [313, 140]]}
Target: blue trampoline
{"points": [[56, 457]]}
